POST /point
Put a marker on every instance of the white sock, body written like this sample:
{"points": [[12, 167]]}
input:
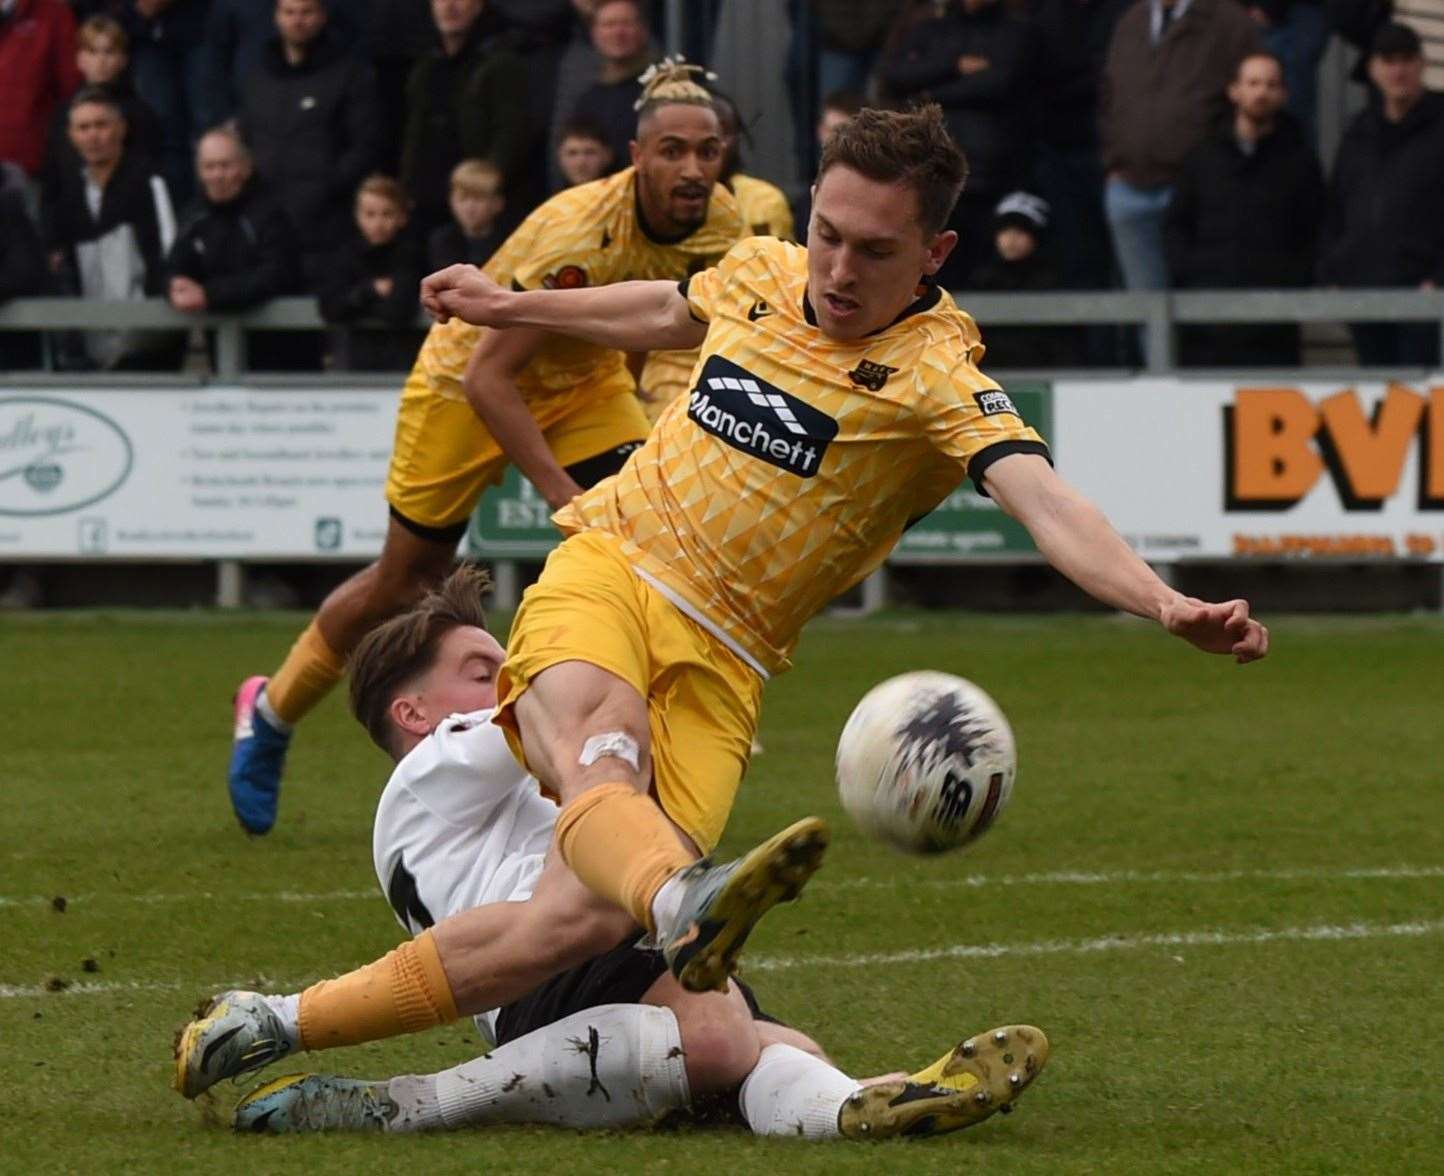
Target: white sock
{"points": [[288, 1012], [790, 1092], [611, 1066], [667, 906], [263, 704]]}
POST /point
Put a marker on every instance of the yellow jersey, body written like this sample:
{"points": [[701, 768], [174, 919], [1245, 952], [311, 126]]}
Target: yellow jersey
{"points": [[796, 461], [764, 209], [590, 235]]}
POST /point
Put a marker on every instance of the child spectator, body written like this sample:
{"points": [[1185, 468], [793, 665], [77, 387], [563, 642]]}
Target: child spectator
{"points": [[1018, 262], [582, 152], [102, 54], [373, 279], [473, 233]]}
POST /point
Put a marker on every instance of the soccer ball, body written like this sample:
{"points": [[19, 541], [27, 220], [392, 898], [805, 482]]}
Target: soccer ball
{"points": [[926, 762]]}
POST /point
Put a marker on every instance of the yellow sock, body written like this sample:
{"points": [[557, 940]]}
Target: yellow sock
{"points": [[305, 677], [621, 845], [404, 991]]}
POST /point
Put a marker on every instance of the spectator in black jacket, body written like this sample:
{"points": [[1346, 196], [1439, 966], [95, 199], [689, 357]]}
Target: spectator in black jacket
{"points": [[172, 73], [1246, 211], [108, 232], [370, 285], [309, 115], [22, 274], [1018, 263], [102, 54], [1073, 38], [977, 62], [1384, 226], [235, 249], [623, 43], [474, 231], [237, 32], [465, 100]]}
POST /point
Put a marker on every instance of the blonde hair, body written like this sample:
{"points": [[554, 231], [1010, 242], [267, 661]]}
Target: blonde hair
{"points": [[476, 177], [99, 28], [385, 188], [673, 81]]}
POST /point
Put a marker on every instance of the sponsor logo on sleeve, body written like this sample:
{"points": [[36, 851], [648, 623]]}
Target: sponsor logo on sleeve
{"points": [[760, 419], [995, 402]]}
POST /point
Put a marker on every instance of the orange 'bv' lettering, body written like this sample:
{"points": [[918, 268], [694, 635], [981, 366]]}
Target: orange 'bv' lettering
{"points": [[1278, 443]]}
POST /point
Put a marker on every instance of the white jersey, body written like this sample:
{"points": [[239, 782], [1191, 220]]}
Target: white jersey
{"points": [[460, 824]]}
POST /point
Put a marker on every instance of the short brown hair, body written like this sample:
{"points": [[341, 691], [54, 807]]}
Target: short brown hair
{"points": [[911, 147], [387, 189], [400, 650], [102, 28]]}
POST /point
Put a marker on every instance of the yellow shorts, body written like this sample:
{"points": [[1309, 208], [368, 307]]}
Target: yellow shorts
{"points": [[702, 699], [444, 457]]}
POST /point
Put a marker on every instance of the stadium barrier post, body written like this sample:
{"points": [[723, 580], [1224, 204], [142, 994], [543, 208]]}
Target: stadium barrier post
{"points": [[229, 349], [504, 580], [1158, 341], [230, 583]]}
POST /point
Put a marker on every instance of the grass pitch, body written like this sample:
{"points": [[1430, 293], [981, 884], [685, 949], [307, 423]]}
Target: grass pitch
{"points": [[1220, 891]]}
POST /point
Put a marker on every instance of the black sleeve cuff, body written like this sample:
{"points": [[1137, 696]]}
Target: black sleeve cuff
{"points": [[682, 290], [984, 458]]}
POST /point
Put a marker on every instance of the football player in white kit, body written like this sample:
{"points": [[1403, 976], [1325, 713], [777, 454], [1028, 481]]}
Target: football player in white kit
{"points": [[613, 1042]]}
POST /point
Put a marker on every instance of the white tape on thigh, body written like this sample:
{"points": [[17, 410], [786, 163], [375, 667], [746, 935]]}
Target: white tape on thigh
{"points": [[617, 744]]}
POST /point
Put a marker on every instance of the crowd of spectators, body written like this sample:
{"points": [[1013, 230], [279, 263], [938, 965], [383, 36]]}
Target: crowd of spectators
{"points": [[219, 153]]}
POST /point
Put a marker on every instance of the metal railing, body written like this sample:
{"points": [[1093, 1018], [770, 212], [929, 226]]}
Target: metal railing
{"points": [[1154, 313]]}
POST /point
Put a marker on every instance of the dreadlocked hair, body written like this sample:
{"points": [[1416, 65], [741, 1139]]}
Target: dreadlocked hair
{"points": [[673, 81]]}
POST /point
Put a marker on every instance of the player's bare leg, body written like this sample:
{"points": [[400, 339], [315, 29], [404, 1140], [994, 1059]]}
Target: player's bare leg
{"points": [[586, 736], [266, 710]]}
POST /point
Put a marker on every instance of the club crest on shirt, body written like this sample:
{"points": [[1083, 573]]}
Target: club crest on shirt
{"points": [[569, 277], [871, 376], [994, 402]]}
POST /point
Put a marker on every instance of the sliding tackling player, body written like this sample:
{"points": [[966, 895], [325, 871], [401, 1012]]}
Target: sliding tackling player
{"points": [[615, 1042], [565, 412]]}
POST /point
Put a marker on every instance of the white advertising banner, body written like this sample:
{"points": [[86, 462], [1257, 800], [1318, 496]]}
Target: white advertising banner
{"points": [[1209, 469], [200, 473]]}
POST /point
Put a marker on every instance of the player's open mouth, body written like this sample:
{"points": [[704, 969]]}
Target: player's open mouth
{"points": [[838, 306]]}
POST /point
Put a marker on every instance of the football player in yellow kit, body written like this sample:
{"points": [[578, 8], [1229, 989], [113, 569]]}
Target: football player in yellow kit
{"points": [[836, 399], [564, 411]]}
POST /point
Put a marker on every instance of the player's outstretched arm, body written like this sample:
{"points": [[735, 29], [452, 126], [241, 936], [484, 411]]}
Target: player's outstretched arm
{"points": [[630, 316], [1077, 540]]}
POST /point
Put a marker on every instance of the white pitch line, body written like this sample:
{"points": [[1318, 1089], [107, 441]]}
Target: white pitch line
{"points": [[1325, 933], [963, 951], [1136, 877], [970, 881]]}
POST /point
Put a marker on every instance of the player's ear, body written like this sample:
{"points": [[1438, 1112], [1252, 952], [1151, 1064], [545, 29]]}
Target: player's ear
{"points": [[406, 713], [938, 250], [634, 149]]}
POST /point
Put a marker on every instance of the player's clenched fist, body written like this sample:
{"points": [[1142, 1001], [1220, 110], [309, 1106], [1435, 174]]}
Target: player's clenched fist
{"points": [[465, 292]]}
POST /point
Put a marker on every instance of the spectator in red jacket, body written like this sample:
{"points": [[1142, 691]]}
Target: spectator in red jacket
{"points": [[37, 65]]}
